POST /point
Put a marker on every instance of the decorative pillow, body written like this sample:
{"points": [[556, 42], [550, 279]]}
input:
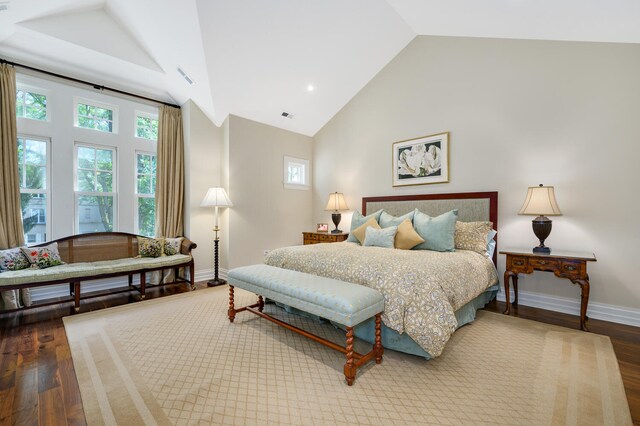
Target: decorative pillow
{"points": [[472, 236], [13, 260], [150, 247], [10, 299], [380, 237], [407, 237], [491, 243], [361, 231], [387, 220], [438, 232], [357, 220], [43, 257], [172, 246]]}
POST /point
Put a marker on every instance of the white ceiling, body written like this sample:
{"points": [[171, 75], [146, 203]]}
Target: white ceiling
{"points": [[255, 58]]}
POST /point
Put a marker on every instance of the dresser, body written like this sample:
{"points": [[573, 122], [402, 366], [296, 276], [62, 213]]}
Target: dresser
{"points": [[323, 237]]}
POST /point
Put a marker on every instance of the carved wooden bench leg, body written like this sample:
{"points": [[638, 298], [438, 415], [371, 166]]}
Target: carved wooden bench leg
{"points": [[377, 347], [76, 296], [260, 303], [143, 285], [232, 310], [349, 367]]}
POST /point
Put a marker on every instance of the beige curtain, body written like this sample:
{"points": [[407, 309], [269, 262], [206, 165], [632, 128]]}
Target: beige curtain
{"points": [[169, 179], [11, 234]]}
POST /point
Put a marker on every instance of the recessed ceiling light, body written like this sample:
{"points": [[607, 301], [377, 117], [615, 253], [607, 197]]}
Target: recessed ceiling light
{"points": [[310, 88]]}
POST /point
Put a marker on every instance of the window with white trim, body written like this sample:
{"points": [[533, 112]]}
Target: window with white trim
{"points": [[33, 172], [146, 125], [96, 116], [145, 193], [30, 104], [95, 187], [296, 173]]}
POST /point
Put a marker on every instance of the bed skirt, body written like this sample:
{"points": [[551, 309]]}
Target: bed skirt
{"points": [[391, 339]]}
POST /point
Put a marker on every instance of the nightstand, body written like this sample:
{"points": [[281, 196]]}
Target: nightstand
{"points": [[564, 264], [323, 237]]}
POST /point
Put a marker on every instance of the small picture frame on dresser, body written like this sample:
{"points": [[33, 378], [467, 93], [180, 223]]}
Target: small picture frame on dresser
{"points": [[323, 227]]}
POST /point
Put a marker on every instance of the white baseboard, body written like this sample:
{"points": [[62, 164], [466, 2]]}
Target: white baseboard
{"points": [[62, 290], [595, 310]]}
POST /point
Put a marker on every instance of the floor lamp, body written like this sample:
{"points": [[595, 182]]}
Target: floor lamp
{"points": [[216, 197]]}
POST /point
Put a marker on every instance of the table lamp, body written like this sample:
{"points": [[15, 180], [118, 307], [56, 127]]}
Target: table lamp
{"points": [[216, 197], [541, 202], [336, 204]]}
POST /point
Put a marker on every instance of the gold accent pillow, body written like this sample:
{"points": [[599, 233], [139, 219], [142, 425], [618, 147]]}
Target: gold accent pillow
{"points": [[150, 247], [407, 237], [472, 236], [361, 230]]}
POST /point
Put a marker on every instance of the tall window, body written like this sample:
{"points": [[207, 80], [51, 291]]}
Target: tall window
{"points": [[95, 189], [296, 173], [33, 154], [96, 116], [146, 193], [30, 104], [146, 126]]}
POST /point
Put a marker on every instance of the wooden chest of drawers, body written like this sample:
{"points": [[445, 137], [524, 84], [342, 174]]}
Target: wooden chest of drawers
{"points": [[323, 237]]}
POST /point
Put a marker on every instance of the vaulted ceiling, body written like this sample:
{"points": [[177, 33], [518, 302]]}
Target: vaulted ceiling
{"points": [[257, 59]]}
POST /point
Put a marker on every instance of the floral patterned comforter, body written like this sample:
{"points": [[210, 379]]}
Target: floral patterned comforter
{"points": [[422, 288]]}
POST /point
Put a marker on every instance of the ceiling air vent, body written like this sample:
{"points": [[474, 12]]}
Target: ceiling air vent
{"points": [[184, 75], [286, 114], [4, 5]]}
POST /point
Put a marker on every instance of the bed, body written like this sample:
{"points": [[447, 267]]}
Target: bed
{"points": [[428, 294]]}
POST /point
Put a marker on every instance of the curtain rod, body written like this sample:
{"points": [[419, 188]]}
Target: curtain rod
{"points": [[95, 86]]}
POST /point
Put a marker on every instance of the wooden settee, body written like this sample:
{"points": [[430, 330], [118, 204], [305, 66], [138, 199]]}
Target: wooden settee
{"points": [[96, 256]]}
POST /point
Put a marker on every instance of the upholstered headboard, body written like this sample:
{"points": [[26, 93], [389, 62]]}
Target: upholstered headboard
{"points": [[472, 206]]}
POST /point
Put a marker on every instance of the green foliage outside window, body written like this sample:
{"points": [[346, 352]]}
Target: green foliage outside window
{"points": [[147, 128], [31, 105], [146, 189], [93, 117]]}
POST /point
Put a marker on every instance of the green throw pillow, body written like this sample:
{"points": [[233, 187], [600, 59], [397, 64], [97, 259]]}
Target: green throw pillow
{"points": [[357, 220], [438, 232], [380, 237], [150, 247], [387, 220]]}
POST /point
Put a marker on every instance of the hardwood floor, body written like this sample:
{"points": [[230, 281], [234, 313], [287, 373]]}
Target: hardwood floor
{"points": [[38, 383]]}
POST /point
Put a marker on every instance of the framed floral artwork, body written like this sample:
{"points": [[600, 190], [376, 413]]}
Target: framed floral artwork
{"points": [[421, 161]]}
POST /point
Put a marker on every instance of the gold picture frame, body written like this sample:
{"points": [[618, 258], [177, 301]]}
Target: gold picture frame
{"points": [[421, 161]]}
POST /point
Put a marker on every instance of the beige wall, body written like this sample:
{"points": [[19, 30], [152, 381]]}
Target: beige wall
{"points": [[265, 215], [204, 162], [520, 113]]}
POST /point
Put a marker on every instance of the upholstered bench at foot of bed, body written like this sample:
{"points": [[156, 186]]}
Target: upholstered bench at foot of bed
{"points": [[344, 303]]}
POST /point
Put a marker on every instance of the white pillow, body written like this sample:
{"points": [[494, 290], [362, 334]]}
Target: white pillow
{"points": [[491, 243]]}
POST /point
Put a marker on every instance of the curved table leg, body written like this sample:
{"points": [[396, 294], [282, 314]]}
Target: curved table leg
{"points": [[507, 295], [584, 302], [514, 280]]}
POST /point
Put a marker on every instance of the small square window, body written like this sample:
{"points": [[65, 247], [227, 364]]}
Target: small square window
{"points": [[31, 105], [296, 173], [146, 126], [96, 116]]}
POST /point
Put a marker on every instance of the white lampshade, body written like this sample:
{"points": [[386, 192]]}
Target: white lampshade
{"points": [[541, 201], [336, 202], [216, 197]]}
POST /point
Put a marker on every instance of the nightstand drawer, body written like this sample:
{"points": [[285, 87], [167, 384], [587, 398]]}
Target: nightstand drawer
{"points": [[517, 262], [574, 269], [326, 237], [310, 236], [549, 264]]}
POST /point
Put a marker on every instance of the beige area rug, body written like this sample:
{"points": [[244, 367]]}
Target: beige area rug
{"points": [[178, 360]]}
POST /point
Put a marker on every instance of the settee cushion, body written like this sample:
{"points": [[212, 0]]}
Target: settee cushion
{"points": [[87, 269]]}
